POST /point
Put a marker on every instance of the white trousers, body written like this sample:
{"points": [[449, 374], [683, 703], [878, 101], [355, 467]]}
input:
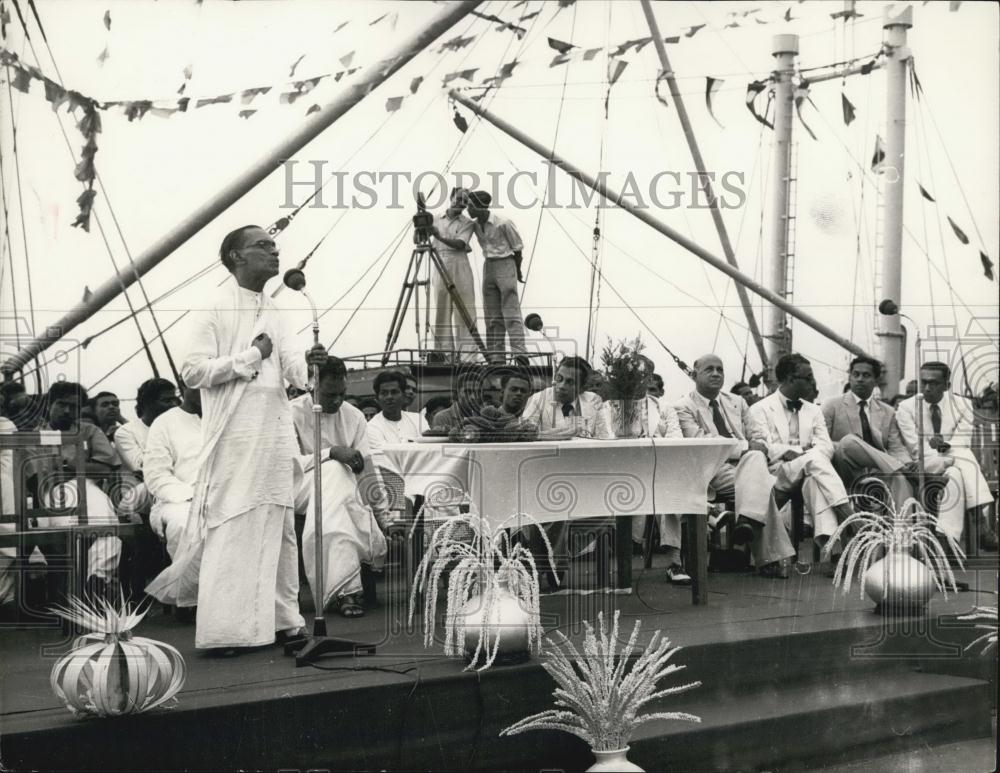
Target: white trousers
{"points": [[351, 535], [450, 330], [822, 488], [104, 553], [853, 458], [248, 584], [965, 488]]}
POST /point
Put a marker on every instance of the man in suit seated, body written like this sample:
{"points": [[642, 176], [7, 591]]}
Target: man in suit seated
{"points": [[864, 432], [744, 476], [947, 433], [799, 447]]}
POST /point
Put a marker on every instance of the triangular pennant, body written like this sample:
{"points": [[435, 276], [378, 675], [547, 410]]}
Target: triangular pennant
{"points": [[107, 20], [531, 15], [313, 108], [788, 14], [222, 98], [54, 93], [659, 79], [456, 43], [86, 203], [295, 64], [753, 91], [392, 104], [103, 56], [249, 95], [954, 5], [346, 59], [22, 80], [415, 84], [341, 26], [987, 266], [925, 194], [801, 95], [460, 122], [87, 294], [616, 73], [692, 31], [136, 110], [376, 21], [712, 85], [848, 109], [958, 231], [246, 113], [878, 157], [188, 72], [590, 53], [560, 46]]}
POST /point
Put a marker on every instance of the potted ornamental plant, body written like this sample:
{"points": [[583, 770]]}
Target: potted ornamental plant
{"points": [[898, 555], [601, 695], [110, 672], [626, 375], [988, 616], [492, 608]]}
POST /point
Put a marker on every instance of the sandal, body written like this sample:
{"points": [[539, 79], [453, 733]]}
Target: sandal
{"points": [[350, 605]]}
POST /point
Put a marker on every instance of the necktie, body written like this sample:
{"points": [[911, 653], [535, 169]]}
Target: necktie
{"points": [[936, 418], [567, 409], [793, 423], [720, 422], [866, 427]]}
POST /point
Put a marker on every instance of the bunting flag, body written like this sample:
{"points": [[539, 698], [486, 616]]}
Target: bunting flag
{"points": [[987, 266], [291, 70], [87, 294], [246, 113], [392, 104], [692, 31], [847, 108], [925, 194], [620, 66], [878, 157], [801, 95], [959, 233], [107, 20], [341, 26], [954, 5], [560, 46], [712, 85], [4, 20], [346, 59], [753, 91], [415, 84], [531, 15], [463, 74], [248, 95], [103, 56], [460, 122], [503, 25], [916, 88], [659, 79], [456, 43], [314, 108], [788, 14]]}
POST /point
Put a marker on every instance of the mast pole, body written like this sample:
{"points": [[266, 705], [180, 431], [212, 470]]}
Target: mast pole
{"points": [[699, 164], [897, 59], [644, 215], [776, 328], [235, 190]]}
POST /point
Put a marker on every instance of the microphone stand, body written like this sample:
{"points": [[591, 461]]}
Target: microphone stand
{"points": [[317, 644]]}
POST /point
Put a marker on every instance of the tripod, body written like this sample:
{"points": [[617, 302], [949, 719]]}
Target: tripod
{"points": [[423, 247], [317, 644]]}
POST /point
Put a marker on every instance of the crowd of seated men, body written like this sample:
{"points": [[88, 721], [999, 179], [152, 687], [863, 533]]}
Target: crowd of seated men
{"points": [[785, 447]]}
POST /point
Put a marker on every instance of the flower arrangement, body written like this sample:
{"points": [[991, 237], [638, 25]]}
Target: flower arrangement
{"points": [[988, 639], [492, 583], [907, 529], [626, 370], [110, 672], [599, 698]]}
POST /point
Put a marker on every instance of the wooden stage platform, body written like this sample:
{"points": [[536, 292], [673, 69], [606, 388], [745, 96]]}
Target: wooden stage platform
{"points": [[794, 675]]}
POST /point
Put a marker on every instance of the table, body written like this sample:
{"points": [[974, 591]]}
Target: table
{"points": [[570, 479]]}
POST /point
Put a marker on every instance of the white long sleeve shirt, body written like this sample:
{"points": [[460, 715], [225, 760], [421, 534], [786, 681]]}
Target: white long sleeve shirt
{"points": [[170, 463]]}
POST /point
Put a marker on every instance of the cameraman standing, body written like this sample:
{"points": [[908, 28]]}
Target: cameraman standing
{"points": [[452, 234], [502, 247]]}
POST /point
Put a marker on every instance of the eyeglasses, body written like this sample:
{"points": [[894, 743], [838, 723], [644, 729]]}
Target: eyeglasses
{"points": [[262, 244]]}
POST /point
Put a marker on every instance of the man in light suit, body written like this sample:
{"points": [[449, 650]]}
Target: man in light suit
{"points": [[710, 412], [864, 432], [947, 434], [799, 447]]}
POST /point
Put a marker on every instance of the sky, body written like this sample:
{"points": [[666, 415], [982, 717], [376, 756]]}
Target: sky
{"points": [[157, 170]]}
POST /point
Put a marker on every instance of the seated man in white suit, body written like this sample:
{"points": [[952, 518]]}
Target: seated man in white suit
{"points": [[864, 433], [744, 476], [170, 465], [351, 533], [947, 434], [799, 447]]}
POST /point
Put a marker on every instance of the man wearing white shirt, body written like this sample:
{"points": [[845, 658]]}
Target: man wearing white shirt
{"points": [[864, 432], [351, 533], [947, 433], [799, 447], [452, 234], [744, 476], [170, 465], [391, 425]]}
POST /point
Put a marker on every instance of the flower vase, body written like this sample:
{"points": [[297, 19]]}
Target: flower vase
{"points": [[616, 760], [628, 418], [509, 618], [899, 582]]}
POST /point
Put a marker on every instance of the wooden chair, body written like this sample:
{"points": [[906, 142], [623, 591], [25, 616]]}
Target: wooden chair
{"points": [[37, 478], [986, 448]]}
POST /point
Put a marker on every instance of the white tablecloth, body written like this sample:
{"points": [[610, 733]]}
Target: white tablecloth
{"points": [[565, 480]]}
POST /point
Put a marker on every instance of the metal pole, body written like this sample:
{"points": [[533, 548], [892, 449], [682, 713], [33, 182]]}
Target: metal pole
{"points": [[896, 61], [230, 194], [776, 329], [699, 165], [616, 198], [319, 544]]}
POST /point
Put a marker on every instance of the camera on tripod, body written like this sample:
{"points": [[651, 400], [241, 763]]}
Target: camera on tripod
{"points": [[423, 221]]}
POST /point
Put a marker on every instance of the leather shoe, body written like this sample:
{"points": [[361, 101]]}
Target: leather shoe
{"points": [[677, 576], [281, 638], [776, 570], [742, 532]]}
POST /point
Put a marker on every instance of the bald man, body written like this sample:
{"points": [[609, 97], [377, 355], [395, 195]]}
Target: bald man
{"points": [[744, 476]]}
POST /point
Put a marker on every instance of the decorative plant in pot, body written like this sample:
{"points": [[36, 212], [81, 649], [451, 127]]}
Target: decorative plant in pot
{"points": [[492, 589], [988, 639], [109, 672], [899, 556], [626, 375], [599, 697]]}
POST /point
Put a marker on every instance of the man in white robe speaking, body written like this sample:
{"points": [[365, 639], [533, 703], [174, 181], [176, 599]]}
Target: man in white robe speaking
{"points": [[241, 528], [351, 533]]}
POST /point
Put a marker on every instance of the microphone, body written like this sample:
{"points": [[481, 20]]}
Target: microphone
{"points": [[295, 279], [534, 322], [888, 308]]}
